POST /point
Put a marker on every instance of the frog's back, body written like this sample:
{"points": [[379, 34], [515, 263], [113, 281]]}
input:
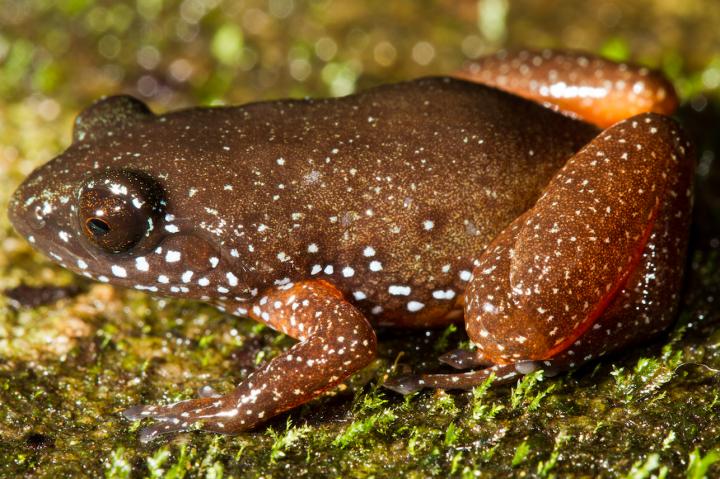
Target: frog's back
{"points": [[389, 194]]}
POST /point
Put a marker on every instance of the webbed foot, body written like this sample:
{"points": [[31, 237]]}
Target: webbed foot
{"points": [[504, 374]]}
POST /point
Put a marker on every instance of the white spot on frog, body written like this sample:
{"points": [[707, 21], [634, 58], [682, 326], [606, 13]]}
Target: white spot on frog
{"points": [[443, 294], [141, 264], [399, 290], [119, 271], [415, 306]]}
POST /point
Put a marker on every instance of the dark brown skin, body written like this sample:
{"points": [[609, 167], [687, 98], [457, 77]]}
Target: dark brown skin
{"points": [[398, 206]]}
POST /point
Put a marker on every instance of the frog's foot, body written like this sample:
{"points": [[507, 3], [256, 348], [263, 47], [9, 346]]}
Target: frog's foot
{"points": [[205, 413], [176, 417], [504, 373], [465, 359]]}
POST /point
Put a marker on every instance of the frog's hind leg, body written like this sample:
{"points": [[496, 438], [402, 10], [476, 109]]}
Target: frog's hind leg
{"points": [[548, 277], [594, 266], [595, 89]]}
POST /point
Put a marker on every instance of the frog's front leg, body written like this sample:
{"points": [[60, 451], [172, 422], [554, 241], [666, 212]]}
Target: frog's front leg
{"points": [[336, 340], [594, 266]]}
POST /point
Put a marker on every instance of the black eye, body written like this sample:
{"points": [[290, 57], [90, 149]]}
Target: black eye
{"points": [[119, 209]]}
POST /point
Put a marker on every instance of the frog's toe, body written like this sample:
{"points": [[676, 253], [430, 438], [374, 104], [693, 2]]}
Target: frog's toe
{"points": [[464, 359], [208, 391], [527, 367], [137, 412], [153, 431], [180, 409], [405, 384], [179, 416], [168, 419]]}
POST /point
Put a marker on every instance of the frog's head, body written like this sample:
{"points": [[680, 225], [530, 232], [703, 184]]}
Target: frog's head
{"points": [[105, 211]]}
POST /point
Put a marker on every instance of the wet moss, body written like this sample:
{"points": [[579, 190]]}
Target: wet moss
{"points": [[67, 368]]}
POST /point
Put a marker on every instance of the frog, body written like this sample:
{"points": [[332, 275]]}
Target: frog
{"points": [[543, 198]]}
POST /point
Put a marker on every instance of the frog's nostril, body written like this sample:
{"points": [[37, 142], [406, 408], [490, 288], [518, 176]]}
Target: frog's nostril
{"points": [[16, 210], [37, 220], [27, 212]]}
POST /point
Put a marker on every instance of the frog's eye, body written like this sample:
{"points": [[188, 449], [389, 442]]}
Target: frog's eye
{"points": [[118, 210]]}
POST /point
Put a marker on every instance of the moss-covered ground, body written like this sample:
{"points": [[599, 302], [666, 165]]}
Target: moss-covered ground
{"points": [[67, 368]]}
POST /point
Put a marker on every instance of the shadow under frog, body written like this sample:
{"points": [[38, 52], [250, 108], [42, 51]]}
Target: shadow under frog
{"points": [[498, 200]]}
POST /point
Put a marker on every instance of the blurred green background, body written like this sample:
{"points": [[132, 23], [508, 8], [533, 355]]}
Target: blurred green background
{"points": [[67, 368]]}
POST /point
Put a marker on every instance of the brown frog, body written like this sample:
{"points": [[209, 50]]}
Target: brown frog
{"points": [[499, 200]]}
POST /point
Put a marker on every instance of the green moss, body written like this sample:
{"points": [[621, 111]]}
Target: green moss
{"points": [[699, 465], [643, 470]]}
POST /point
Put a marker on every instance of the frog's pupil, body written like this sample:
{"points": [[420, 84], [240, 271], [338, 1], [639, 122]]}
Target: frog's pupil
{"points": [[98, 227]]}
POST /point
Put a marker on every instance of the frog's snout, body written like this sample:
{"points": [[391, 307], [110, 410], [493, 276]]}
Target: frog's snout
{"points": [[17, 213], [38, 213]]}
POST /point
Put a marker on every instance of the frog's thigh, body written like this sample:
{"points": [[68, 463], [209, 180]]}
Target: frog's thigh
{"points": [[598, 90], [336, 340], [647, 303], [553, 272]]}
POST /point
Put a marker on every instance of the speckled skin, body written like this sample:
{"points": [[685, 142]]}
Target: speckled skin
{"points": [[322, 217], [581, 85]]}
